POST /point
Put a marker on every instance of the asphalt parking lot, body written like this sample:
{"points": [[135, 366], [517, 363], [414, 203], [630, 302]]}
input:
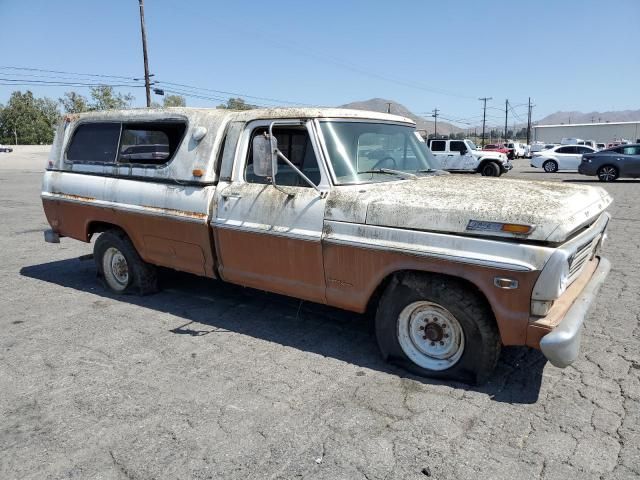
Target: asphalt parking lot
{"points": [[206, 380]]}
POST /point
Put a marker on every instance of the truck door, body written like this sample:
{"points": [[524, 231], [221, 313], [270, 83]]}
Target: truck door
{"points": [[269, 237], [461, 156], [439, 150]]}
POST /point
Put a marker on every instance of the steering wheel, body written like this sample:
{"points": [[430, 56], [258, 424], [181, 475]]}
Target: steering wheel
{"points": [[382, 160]]}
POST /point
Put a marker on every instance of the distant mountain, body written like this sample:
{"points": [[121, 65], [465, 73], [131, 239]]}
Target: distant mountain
{"points": [[580, 117], [380, 105]]}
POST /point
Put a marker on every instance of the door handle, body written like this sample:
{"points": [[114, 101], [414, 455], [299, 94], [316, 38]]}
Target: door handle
{"points": [[227, 196]]}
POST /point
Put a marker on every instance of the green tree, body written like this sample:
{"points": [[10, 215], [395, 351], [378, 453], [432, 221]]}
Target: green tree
{"points": [[32, 119], [73, 102], [174, 101], [236, 104], [104, 98]]}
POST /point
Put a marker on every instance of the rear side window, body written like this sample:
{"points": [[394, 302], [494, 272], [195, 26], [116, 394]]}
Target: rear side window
{"points": [[142, 143], [438, 146], [631, 150], [567, 150], [150, 143], [94, 142]]}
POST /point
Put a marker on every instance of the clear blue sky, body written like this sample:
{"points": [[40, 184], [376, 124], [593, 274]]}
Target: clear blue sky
{"points": [[567, 55]]}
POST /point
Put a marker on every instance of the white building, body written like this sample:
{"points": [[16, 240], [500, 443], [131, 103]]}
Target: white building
{"points": [[600, 132]]}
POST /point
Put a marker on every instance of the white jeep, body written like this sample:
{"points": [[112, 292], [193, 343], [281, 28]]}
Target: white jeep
{"points": [[463, 156]]}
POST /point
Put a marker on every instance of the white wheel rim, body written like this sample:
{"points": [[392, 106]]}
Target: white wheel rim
{"points": [[115, 268], [430, 335]]}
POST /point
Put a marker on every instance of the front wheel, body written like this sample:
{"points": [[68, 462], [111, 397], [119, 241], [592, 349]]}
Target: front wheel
{"points": [[437, 327], [550, 166], [490, 169], [607, 173]]}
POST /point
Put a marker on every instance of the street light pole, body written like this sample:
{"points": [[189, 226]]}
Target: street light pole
{"points": [[147, 84]]}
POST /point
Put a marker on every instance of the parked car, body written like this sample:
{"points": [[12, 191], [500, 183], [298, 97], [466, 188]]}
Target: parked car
{"points": [[611, 164], [519, 150], [292, 201], [5, 149], [571, 141], [499, 148], [601, 146], [540, 146], [562, 157], [463, 156]]}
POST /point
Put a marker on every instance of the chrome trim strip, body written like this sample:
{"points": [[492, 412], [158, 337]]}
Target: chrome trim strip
{"points": [[472, 251], [196, 217], [295, 234]]}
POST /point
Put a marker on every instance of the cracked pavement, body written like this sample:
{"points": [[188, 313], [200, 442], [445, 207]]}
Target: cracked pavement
{"points": [[207, 380]]}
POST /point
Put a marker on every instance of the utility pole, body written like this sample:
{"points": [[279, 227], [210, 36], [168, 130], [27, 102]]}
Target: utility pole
{"points": [[388, 107], [506, 118], [530, 109], [484, 116], [147, 84], [435, 117]]}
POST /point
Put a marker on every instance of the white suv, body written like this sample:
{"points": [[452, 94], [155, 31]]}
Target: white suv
{"points": [[463, 156]]}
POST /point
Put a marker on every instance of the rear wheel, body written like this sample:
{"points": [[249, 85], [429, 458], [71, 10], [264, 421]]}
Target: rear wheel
{"points": [[490, 169], [608, 173], [550, 166], [437, 327], [119, 264]]}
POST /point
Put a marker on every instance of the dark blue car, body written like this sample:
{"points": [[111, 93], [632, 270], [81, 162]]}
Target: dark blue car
{"points": [[613, 163]]}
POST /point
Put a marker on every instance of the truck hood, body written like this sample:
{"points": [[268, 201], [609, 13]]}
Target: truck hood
{"points": [[446, 203]]}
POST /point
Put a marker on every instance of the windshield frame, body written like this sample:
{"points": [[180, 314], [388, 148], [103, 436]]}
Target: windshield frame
{"points": [[325, 151]]}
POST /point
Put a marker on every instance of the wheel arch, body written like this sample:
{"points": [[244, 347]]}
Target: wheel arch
{"points": [[484, 161], [396, 277]]}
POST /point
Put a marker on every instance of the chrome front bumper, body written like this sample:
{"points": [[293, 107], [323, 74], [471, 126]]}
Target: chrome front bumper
{"points": [[561, 346]]}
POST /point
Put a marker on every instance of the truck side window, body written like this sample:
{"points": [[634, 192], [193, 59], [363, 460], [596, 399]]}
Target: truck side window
{"points": [[457, 146], [149, 143], [94, 142], [438, 146], [295, 144]]}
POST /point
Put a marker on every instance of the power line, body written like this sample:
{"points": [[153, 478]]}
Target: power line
{"points": [[25, 82], [229, 93], [30, 69]]}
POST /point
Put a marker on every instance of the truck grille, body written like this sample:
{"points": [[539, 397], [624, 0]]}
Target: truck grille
{"points": [[582, 255]]}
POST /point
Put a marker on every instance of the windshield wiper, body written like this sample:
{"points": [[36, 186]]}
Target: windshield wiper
{"points": [[390, 171]]}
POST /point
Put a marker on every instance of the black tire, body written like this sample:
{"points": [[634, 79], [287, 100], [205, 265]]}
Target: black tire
{"points": [[550, 166], [481, 339], [115, 247], [608, 173], [490, 169]]}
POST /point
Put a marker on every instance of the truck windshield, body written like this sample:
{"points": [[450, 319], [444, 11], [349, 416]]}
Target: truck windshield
{"points": [[471, 145], [362, 152]]}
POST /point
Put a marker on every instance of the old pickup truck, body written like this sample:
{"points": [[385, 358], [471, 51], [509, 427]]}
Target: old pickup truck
{"points": [[338, 207]]}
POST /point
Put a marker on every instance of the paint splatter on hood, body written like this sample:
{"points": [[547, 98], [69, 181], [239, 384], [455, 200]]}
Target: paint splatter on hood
{"points": [[447, 203]]}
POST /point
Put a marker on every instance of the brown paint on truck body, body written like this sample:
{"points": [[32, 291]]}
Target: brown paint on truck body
{"points": [[161, 238], [270, 262], [354, 273]]}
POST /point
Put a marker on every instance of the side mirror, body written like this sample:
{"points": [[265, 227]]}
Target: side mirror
{"points": [[463, 152], [263, 157]]}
